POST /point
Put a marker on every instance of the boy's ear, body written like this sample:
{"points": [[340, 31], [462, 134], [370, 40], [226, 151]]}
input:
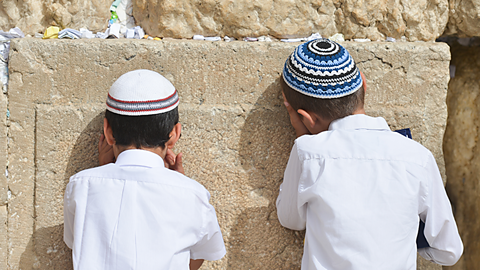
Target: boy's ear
{"points": [[310, 118], [364, 82], [107, 131], [174, 136]]}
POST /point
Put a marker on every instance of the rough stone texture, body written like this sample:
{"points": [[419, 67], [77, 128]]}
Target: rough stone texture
{"points": [[3, 150], [374, 19], [231, 111], [34, 16], [3, 237], [3, 183], [462, 151], [464, 18]]}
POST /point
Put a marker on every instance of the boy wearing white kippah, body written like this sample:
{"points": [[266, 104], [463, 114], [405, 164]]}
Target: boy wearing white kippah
{"points": [[140, 212], [358, 188]]}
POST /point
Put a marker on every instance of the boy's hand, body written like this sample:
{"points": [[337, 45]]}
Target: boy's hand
{"points": [[105, 152], [174, 162], [295, 119]]}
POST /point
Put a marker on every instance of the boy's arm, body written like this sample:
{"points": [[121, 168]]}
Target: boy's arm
{"points": [[440, 228], [195, 264], [211, 246], [289, 213]]}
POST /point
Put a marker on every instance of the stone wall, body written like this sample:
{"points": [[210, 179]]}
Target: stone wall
{"points": [[231, 110], [33, 16], [462, 150], [374, 19]]}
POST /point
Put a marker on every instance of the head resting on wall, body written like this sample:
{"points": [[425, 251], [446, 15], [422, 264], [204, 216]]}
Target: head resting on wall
{"points": [[142, 111], [320, 77]]}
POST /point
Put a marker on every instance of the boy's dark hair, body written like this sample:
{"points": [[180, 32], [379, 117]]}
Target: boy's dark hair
{"points": [[148, 131], [328, 109]]}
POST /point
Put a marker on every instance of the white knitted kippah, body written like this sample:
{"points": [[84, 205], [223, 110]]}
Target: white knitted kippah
{"points": [[141, 92]]}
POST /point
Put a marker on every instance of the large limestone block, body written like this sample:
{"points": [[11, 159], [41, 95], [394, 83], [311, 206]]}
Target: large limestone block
{"points": [[374, 19], [34, 16], [462, 151], [464, 19], [236, 133]]}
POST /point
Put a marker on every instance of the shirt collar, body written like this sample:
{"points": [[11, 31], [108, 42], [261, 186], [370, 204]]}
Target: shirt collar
{"points": [[138, 157], [359, 121]]}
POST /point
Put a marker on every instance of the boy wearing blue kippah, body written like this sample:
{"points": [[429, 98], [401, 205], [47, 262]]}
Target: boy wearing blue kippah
{"points": [[358, 188], [140, 212]]}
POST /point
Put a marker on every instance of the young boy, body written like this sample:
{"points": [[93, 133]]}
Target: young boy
{"points": [[137, 213], [357, 188]]}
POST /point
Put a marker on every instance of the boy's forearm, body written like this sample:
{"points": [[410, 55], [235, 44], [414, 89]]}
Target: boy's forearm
{"points": [[195, 264]]}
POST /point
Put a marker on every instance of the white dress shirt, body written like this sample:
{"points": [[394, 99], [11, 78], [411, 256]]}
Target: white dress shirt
{"points": [[137, 214], [359, 190]]}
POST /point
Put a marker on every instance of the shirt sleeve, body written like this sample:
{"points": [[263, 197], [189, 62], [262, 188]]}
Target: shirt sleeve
{"points": [[68, 217], [440, 228], [211, 246], [289, 212]]}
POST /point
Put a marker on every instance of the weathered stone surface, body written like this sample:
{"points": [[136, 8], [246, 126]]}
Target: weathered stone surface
{"points": [[3, 237], [3, 183], [416, 20], [34, 16], [462, 151], [464, 19], [231, 111], [3, 149], [21, 178], [374, 19]]}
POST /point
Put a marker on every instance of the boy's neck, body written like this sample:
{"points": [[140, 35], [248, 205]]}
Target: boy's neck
{"points": [[156, 150], [359, 111], [326, 125]]}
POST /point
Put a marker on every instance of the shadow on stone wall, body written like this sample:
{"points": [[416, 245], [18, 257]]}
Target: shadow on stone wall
{"points": [[257, 238], [46, 249], [84, 154]]}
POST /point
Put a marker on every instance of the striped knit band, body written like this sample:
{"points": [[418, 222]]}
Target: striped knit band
{"points": [[142, 107], [322, 69], [142, 92]]}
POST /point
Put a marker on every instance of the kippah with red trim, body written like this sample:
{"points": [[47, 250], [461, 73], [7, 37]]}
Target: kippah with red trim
{"points": [[142, 92]]}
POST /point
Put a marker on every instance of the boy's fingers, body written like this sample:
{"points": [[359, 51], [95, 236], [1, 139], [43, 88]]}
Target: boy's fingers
{"points": [[170, 157], [179, 164], [291, 110], [179, 160], [100, 141]]}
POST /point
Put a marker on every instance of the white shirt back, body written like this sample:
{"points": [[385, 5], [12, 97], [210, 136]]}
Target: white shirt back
{"points": [[136, 214], [359, 190]]}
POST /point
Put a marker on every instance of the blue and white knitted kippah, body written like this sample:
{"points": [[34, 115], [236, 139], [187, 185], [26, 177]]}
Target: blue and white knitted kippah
{"points": [[142, 92], [323, 69]]}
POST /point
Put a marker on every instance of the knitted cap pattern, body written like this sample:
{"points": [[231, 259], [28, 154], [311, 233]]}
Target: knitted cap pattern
{"points": [[322, 69], [142, 92]]}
